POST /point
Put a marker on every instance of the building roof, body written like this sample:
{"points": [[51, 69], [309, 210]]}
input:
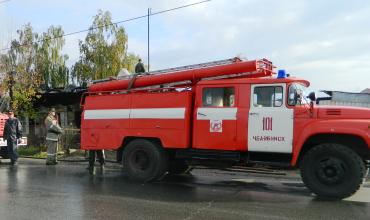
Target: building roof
{"points": [[53, 98], [340, 96]]}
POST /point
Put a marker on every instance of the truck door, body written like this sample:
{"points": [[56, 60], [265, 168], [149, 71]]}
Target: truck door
{"points": [[215, 118], [270, 124]]}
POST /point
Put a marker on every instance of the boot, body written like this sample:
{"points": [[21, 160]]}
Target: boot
{"points": [[90, 166]]}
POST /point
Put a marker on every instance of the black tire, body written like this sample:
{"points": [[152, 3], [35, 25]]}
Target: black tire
{"points": [[332, 171], [178, 167], [144, 160]]}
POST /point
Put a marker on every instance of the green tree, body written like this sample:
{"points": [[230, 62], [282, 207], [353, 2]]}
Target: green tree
{"points": [[50, 61], [103, 52], [130, 62], [35, 60], [20, 59]]}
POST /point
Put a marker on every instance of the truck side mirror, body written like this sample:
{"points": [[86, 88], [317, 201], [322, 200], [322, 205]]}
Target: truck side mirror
{"points": [[312, 96]]}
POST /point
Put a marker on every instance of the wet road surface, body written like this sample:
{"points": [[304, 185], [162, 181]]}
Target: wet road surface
{"points": [[68, 191]]}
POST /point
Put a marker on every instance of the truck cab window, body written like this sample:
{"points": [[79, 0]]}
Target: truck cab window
{"points": [[218, 97], [268, 96], [296, 94]]}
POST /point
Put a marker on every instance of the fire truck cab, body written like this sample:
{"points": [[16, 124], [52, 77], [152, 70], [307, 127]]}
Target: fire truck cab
{"points": [[248, 117]]}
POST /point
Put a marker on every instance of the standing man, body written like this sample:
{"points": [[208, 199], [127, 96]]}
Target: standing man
{"points": [[53, 131], [12, 132], [139, 68], [92, 156]]}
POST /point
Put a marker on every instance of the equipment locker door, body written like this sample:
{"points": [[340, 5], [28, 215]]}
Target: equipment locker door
{"points": [[215, 118], [270, 124]]}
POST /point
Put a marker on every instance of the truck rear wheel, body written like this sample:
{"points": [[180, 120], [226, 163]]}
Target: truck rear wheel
{"points": [[144, 160], [332, 171]]}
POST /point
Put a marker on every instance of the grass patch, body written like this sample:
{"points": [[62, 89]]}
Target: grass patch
{"points": [[32, 151]]}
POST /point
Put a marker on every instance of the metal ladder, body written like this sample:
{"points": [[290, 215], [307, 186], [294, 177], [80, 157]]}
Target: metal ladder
{"points": [[195, 66], [133, 76], [176, 69]]}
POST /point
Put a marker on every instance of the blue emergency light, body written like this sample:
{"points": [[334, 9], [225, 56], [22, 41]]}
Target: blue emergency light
{"points": [[281, 74]]}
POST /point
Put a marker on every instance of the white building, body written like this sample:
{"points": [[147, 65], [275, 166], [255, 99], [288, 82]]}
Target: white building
{"points": [[361, 99]]}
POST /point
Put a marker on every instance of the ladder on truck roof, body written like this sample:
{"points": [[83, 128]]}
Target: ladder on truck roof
{"points": [[177, 69], [181, 68], [196, 66], [227, 68]]}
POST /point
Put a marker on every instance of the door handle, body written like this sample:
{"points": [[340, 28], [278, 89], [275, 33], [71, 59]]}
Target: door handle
{"points": [[253, 113], [199, 113]]}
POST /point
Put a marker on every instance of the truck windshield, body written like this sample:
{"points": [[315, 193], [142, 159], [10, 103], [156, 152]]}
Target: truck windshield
{"points": [[297, 94]]}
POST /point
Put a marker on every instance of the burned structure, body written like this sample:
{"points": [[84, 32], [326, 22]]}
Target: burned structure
{"points": [[67, 105]]}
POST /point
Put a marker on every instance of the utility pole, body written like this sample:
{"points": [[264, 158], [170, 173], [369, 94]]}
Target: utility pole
{"points": [[149, 12]]}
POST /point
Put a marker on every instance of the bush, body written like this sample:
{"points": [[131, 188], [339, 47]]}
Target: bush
{"points": [[32, 151]]}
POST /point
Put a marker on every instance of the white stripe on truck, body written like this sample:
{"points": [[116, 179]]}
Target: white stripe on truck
{"points": [[107, 114], [145, 113], [216, 113], [164, 113]]}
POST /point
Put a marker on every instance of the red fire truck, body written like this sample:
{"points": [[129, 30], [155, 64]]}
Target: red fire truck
{"points": [[227, 113]]}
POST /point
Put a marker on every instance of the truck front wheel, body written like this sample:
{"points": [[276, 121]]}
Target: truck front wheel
{"points": [[144, 160], [332, 171]]}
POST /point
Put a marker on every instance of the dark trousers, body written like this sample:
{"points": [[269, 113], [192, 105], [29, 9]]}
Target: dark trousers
{"points": [[96, 153], [52, 150], [12, 150]]}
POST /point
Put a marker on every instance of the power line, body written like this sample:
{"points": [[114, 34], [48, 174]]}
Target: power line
{"points": [[4, 1], [180, 7], [114, 23]]}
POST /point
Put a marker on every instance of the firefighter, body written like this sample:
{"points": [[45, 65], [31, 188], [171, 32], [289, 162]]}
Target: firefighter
{"points": [[139, 68], [53, 131], [12, 132], [93, 154]]}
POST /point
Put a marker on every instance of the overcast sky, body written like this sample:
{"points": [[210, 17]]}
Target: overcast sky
{"points": [[326, 42]]}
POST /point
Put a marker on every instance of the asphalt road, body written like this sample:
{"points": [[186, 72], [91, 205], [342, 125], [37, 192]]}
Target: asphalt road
{"points": [[68, 191]]}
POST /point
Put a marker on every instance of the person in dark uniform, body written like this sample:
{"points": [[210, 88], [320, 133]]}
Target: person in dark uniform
{"points": [[92, 157], [12, 132], [139, 68]]}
